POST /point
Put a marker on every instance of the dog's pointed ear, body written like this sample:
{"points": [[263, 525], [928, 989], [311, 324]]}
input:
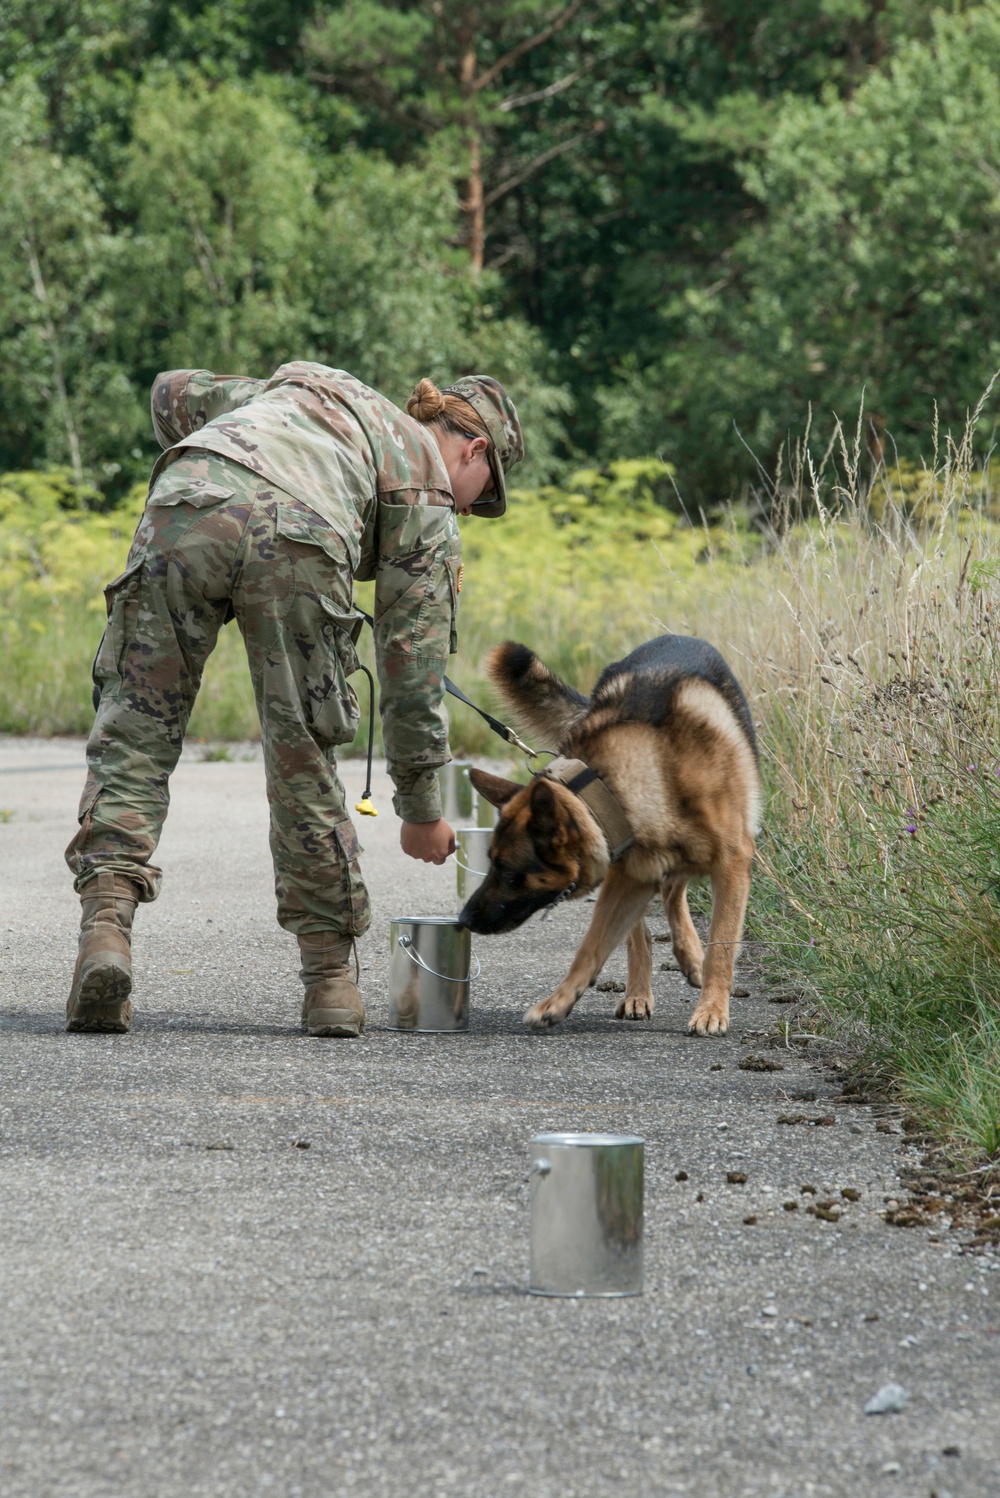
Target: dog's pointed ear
{"points": [[545, 824], [496, 790]]}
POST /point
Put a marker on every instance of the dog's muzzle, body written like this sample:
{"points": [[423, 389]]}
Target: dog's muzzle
{"points": [[493, 918]]}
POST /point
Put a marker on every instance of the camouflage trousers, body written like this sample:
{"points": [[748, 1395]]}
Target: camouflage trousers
{"points": [[215, 542]]}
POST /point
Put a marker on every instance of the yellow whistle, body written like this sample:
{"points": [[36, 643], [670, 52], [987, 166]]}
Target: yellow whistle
{"points": [[366, 808]]}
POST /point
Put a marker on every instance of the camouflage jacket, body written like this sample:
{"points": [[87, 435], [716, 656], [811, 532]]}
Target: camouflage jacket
{"points": [[376, 476]]}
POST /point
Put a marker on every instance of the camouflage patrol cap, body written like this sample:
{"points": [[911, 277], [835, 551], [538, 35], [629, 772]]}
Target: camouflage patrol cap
{"points": [[497, 412]]}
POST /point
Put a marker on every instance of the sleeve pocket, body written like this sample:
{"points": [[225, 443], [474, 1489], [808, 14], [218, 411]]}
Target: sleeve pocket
{"points": [[188, 491], [417, 580]]}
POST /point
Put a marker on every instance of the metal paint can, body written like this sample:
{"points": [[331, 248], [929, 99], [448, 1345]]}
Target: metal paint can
{"points": [[457, 794], [472, 859], [586, 1214], [430, 974]]}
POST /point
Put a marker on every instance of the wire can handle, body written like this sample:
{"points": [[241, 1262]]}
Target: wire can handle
{"points": [[407, 945]]}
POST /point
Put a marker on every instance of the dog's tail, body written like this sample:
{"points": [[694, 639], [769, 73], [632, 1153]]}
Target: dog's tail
{"points": [[542, 703]]}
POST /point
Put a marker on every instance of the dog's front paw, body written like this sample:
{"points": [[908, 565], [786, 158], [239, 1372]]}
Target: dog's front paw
{"points": [[550, 1011], [709, 1019], [635, 1006], [540, 1018], [690, 967]]}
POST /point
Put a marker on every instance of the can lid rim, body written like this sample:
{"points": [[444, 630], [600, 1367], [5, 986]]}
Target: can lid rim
{"points": [[586, 1139], [426, 920]]}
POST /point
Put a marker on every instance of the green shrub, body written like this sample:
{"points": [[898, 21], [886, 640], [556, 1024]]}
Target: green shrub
{"points": [[582, 574]]}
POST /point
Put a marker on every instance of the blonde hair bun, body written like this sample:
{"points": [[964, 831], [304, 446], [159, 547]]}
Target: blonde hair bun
{"points": [[426, 403]]}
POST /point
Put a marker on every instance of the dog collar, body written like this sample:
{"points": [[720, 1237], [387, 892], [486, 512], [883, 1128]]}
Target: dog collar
{"points": [[600, 802]]}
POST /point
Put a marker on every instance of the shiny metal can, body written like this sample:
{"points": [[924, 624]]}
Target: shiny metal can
{"points": [[457, 795], [430, 974], [472, 859], [586, 1214]]}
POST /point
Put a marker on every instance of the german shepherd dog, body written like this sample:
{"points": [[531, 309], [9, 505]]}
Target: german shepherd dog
{"points": [[669, 734]]}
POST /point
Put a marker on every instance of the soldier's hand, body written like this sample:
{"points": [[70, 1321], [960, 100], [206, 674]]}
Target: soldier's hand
{"points": [[430, 841]]}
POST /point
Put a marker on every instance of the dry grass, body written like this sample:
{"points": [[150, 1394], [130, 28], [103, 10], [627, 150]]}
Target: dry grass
{"points": [[869, 645]]}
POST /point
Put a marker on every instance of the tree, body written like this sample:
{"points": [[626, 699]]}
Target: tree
{"points": [[223, 194], [873, 268], [250, 250], [392, 302], [449, 73], [64, 397]]}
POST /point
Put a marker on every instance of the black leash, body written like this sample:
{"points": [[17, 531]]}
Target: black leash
{"points": [[497, 727], [507, 734]]}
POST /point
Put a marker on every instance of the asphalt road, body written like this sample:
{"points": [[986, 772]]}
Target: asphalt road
{"points": [[193, 1305]]}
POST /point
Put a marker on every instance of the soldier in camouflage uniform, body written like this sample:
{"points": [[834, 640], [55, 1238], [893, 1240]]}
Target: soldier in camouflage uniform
{"points": [[272, 497]]}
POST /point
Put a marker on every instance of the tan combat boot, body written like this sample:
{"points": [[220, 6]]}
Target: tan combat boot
{"points": [[332, 1005], [99, 997]]}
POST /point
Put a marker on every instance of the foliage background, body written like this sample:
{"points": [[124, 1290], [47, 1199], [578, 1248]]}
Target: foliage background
{"points": [[670, 227]]}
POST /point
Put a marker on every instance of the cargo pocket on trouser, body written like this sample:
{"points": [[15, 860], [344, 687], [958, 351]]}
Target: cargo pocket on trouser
{"points": [[102, 843], [318, 880], [121, 597], [330, 701], [356, 904]]}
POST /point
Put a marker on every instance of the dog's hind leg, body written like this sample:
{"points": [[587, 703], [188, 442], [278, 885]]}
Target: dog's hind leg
{"points": [[686, 941], [638, 1000], [621, 903], [730, 890]]}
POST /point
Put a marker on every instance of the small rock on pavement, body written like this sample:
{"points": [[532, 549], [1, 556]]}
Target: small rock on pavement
{"points": [[889, 1400]]}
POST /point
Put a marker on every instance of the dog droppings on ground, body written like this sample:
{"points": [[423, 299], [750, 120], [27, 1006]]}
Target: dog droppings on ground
{"points": [[760, 1063]]}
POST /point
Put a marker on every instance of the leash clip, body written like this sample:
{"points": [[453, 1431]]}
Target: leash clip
{"points": [[537, 754]]}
